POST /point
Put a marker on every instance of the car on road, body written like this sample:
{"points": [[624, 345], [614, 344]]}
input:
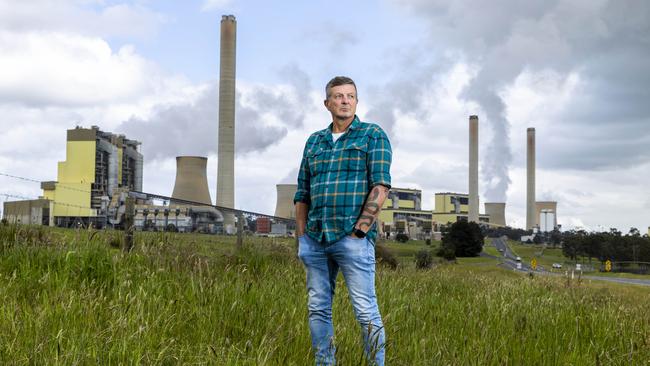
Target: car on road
{"points": [[557, 266], [518, 259], [519, 265]]}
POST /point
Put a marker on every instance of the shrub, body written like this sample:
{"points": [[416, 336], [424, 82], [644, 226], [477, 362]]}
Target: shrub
{"points": [[423, 259], [465, 238], [384, 256], [402, 238], [447, 252], [427, 242]]}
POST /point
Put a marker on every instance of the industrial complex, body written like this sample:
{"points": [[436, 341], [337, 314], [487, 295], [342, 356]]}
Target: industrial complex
{"points": [[103, 169]]}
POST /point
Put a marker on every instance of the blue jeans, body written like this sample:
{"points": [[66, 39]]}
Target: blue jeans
{"points": [[356, 260]]}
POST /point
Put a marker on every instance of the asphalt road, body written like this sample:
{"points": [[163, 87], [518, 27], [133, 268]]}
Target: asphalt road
{"points": [[508, 261]]}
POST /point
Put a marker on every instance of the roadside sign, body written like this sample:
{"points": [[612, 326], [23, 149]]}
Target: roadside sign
{"points": [[608, 265], [533, 264]]}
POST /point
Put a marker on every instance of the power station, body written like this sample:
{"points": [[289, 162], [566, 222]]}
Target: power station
{"points": [[101, 169], [97, 164]]}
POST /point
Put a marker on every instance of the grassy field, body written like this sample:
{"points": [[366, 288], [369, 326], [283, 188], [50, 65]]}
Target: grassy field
{"points": [[72, 297]]}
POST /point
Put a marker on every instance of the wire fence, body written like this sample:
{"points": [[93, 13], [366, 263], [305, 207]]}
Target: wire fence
{"points": [[150, 205]]}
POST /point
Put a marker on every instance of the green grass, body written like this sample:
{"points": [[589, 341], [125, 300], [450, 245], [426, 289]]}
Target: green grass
{"points": [[545, 256], [490, 249], [70, 298], [405, 252]]}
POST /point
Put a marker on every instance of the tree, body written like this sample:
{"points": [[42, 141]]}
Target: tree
{"points": [[465, 238], [555, 237]]}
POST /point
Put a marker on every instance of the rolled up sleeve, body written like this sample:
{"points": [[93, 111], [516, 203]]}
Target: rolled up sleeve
{"points": [[380, 156]]}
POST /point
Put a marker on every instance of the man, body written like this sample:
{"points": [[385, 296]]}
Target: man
{"points": [[343, 181]]}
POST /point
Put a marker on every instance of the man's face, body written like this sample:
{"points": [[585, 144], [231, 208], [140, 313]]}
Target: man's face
{"points": [[342, 101]]}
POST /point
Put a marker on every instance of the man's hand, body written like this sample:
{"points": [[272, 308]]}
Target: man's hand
{"points": [[354, 235]]}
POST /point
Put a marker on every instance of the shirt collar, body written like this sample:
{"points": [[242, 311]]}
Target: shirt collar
{"points": [[353, 126]]}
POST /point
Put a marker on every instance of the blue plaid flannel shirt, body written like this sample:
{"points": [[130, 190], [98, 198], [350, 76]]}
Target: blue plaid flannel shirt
{"points": [[335, 178]]}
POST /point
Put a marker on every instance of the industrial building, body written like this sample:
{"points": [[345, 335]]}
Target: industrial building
{"points": [[35, 212], [97, 164], [189, 209], [451, 207], [546, 215], [402, 213]]}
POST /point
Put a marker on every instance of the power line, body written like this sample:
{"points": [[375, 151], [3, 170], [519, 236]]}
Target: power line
{"points": [[58, 185]]}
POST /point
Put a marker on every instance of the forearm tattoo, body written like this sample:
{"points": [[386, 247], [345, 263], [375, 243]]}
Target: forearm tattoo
{"points": [[372, 207]]}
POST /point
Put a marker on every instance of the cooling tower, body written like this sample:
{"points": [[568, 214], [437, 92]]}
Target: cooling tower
{"points": [[473, 169], [546, 215], [191, 179], [530, 179], [226, 148], [284, 206], [497, 212]]}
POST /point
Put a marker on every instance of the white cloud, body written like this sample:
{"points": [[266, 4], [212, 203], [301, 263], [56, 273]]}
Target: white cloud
{"points": [[82, 17], [209, 5], [45, 68]]}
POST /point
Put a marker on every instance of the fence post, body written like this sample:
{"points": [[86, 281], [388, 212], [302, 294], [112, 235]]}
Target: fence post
{"points": [[128, 224], [240, 231]]}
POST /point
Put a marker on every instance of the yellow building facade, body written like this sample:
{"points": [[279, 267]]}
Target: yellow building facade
{"points": [[402, 213], [70, 194], [451, 207], [96, 163]]}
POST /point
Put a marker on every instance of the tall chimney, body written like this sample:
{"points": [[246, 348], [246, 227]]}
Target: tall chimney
{"points": [[191, 179], [530, 179], [226, 150], [473, 169]]}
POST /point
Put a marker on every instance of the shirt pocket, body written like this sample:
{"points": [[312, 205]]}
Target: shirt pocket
{"points": [[355, 155], [316, 160]]}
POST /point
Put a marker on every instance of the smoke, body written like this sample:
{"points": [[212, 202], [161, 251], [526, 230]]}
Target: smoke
{"points": [[263, 116], [606, 42], [407, 93], [291, 177]]}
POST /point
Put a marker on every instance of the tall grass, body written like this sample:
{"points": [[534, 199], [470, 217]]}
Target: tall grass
{"points": [[69, 297]]}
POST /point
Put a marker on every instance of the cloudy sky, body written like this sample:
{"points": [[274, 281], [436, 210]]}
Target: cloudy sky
{"points": [[576, 70]]}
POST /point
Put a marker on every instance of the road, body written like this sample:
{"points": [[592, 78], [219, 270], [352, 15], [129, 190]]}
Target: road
{"points": [[508, 261]]}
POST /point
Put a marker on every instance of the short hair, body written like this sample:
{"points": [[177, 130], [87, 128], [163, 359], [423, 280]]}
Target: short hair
{"points": [[337, 81]]}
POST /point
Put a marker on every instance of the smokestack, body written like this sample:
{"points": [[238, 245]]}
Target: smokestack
{"points": [[497, 212], [284, 206], [226, 151], [530, 179], [191, 179], [473, 169]]}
